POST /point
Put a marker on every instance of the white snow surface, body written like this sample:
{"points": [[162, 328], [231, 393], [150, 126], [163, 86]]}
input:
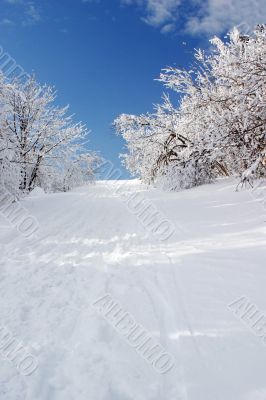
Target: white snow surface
{"points": [[37, 192], [89, 244]]}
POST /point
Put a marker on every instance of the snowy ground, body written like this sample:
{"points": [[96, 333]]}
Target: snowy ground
{"points": [[90, 244]]}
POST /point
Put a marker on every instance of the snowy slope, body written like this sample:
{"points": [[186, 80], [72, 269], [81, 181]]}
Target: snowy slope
{"points": [[89, 244]]}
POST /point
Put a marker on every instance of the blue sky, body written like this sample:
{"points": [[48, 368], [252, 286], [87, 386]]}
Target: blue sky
{"points": [[103, 55]]}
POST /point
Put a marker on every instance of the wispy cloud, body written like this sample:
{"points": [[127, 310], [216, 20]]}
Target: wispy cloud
{"points": [[32, 12], [157, 13], [28, 12], [6, 21], [205, 16], [63, 30], [14, 1], [221, 15], [90, 1]]}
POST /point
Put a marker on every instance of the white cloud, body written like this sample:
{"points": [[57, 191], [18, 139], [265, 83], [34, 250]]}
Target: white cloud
{"points": [[168, 28], [29, 13], [205, 16], [218, 16], [158, 13]]}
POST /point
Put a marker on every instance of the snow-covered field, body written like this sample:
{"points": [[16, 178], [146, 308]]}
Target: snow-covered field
{"points": [[88, 245]]}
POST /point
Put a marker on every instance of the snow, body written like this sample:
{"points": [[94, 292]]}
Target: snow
{"points": [[89, 244], [37, 192]]}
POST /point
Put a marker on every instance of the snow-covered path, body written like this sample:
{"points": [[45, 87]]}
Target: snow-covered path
{"points": [[90, 244]]}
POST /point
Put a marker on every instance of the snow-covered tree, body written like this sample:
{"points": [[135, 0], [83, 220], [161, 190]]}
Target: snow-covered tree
{"points": [[218, 126], [9, 171], [40, 143]]}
